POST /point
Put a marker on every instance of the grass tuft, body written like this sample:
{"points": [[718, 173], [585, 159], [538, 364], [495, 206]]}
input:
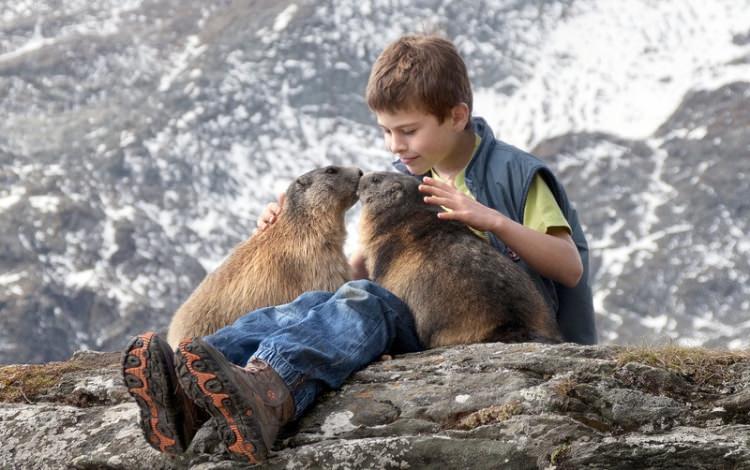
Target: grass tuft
{"points": [[26, 383], [699, 365]]}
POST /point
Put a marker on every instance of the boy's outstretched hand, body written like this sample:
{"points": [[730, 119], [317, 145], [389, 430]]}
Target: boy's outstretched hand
{"points": [[553, 255], [461, 207], [270, 213]]}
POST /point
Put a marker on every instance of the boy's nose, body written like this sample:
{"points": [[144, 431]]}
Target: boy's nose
{"points": [[398, 145]]}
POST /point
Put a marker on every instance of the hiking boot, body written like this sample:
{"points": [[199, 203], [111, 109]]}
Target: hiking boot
{"points": [[169, 420], [248, 404]]}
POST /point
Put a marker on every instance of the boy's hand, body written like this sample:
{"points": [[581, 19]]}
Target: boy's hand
{"points": [[553, 255], [461, 207], [270, 213]]}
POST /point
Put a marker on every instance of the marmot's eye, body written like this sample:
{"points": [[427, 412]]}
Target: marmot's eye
{"points": [[332, 170]]}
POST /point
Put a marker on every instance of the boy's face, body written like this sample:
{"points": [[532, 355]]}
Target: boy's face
{"points": [[418, 139]]}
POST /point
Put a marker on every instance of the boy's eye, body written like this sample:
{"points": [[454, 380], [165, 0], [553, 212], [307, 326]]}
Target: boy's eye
{"points": [[408, 131]]}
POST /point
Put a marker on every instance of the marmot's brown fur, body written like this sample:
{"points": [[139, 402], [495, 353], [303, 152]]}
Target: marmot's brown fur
{"points": [[301, 251], [459, 288]]}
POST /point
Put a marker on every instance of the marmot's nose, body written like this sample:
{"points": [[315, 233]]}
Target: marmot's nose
{"points": [[361, 173]]}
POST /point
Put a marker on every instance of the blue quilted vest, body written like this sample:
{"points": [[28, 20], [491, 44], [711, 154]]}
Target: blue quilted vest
{"points": [[499, 176]]}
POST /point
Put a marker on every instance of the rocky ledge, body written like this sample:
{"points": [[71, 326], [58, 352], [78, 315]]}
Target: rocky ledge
{"points": [[480, 406]]}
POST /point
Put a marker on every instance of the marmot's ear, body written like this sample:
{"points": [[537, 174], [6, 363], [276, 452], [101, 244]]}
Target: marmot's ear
{"points": [[303, 181]]}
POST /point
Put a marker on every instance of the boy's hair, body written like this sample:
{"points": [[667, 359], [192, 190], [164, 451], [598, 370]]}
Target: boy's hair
{"points": [[422, 72]]}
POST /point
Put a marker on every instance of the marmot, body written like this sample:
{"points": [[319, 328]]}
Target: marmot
{"points": [[301, 251], [459, 288]]}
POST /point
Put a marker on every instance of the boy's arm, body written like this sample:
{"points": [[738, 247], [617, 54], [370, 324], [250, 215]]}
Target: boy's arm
{"points": [[553, 255]]}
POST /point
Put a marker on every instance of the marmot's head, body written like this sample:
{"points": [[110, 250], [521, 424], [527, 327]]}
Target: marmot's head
{"points": [[332, 188], [390, 192]]}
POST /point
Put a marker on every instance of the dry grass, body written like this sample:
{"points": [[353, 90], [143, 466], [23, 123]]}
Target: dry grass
{"points": [[564, 387], [699, 365]]}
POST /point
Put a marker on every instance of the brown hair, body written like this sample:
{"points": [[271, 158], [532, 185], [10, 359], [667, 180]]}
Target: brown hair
{"points": [[423, 72]]}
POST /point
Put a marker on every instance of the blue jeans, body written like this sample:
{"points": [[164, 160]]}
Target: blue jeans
{"points": [[321, 338]]}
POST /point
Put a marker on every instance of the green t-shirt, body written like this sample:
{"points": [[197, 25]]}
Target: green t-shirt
{"points": [[541, 211]]}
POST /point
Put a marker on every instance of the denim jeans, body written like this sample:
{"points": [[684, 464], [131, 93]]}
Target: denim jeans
{"points": [[321, 338]]}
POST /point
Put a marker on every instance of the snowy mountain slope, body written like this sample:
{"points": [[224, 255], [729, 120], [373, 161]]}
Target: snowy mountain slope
{"points": [[141, 140], [667, 219]]}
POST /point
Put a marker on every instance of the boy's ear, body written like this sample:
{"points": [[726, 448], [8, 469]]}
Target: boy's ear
{"points": [[459, 116]]}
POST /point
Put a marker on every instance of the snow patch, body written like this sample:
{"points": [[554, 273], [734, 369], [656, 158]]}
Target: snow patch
{"points": [[81, 278], [603, 66], [12, 198], [181, 61], [285, 17], [11, 278], [655, 322], [45, 203], [126, 138], [36, 42]]}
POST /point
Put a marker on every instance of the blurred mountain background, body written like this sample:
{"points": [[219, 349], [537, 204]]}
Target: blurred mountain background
{"points": [[140, 140]]}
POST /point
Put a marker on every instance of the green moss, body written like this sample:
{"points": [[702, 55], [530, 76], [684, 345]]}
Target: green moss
{"points": [[561, 453], [26, 383]]}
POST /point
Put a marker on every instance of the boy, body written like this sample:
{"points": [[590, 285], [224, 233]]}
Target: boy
{"points": [[420, 92], [269, 366]]}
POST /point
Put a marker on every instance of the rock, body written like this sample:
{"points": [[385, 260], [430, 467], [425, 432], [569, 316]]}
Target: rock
{"points": [[519, 406]]}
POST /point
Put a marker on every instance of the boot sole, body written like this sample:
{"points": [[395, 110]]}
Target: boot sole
{"points": [[147, 379], [205, 377]]}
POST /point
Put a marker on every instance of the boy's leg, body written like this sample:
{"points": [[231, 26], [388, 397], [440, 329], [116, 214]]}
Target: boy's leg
{"points": [[168, 418], [320, 342]]}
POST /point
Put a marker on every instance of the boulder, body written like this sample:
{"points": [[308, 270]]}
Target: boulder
{"points": [[515, 406]]}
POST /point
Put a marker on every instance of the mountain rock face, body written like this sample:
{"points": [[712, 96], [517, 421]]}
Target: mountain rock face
{"points": [[666, 219], [522, 406], [141, 139]]}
